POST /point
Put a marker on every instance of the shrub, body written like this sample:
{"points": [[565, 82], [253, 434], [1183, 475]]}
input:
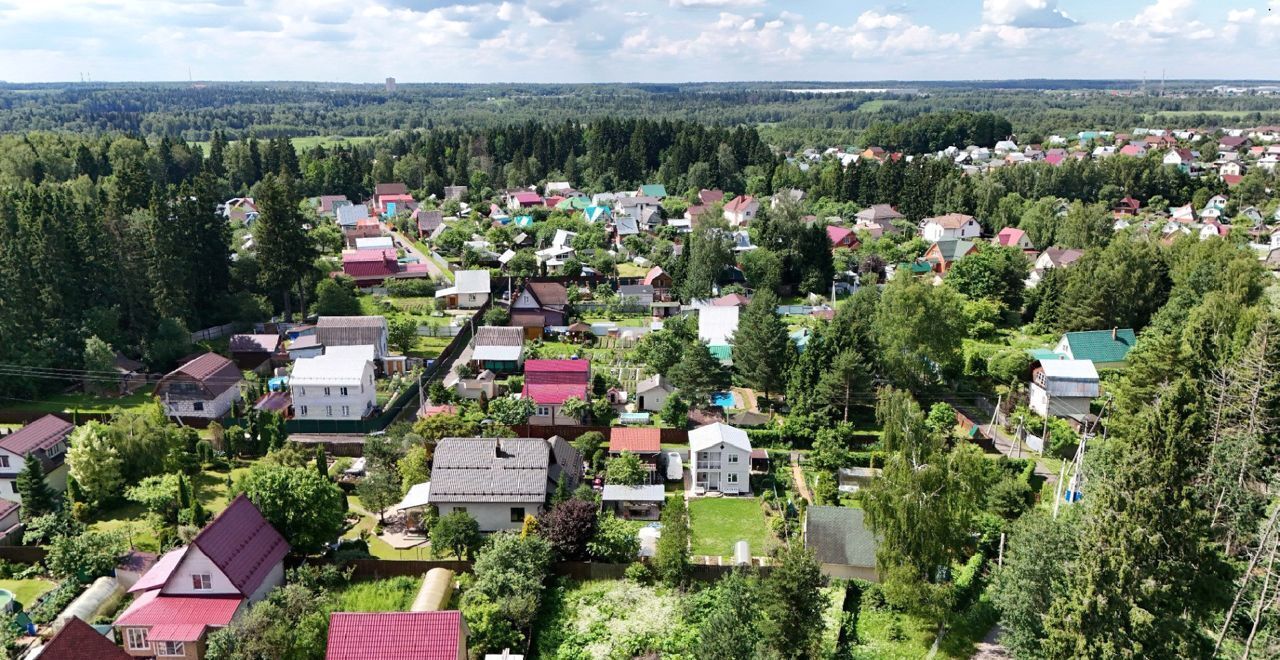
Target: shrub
{"points": [[55, 601], [639, 572], [410, 288]]}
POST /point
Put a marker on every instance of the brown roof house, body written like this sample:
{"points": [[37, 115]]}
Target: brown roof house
{"points": [[206, 387], [78, 640], [354, 331], [231, 564], [251, 352], [46, 439], [539, 305]]}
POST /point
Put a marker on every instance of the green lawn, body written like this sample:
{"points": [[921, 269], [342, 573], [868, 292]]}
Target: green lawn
{"points": [[80, 402], [631, 270], [877, 105], [430, 347], [306, 142], [390, 595], [377, 547], [27, 591], [718, 523], [620, 319]]}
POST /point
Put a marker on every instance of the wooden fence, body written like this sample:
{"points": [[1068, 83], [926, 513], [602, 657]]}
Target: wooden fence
{"points": [[376, 569], [215, 332]]}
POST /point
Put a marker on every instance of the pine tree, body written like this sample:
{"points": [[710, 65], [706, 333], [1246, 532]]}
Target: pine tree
{"points": [[762, 348], [698, 374], [37, 498], [322, 465], [285, 252], [844, 384]]}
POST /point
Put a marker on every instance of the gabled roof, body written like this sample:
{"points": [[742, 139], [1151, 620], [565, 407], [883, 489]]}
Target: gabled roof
{"points": [[242, 544], [490, 470], [951, 249], [653, 274], [494, 335], [716, 325], [551, 382], [39, 435], [178, 618], [950, 220], [216, 372], [351, 214], [739, 204], [254, 343], [838, 234], [839, 535], [713, 434], [159, 573], [1010, 236], [1099, 346], [1060, 256], [709, 197], [653, 190], [332, 368], [384, 189], [641, 440], [548, 293], [79, 641], [472, 281], [395, 635]]}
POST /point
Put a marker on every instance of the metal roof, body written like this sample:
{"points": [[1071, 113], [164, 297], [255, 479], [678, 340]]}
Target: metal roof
{"points": [[650, 493], [839, 535]]}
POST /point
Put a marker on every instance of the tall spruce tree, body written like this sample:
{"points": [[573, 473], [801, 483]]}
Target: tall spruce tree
{"points": [[37, 498], [285, 252], [762, 348]]}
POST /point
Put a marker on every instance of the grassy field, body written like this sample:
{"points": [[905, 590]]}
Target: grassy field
{"points": [[631, 270], [390, 595], [307, 142], [602, 619], [718, 523], [80, 402], [27, 591], [876, 105]]}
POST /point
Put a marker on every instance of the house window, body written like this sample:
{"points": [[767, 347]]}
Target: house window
{"points": [[460, 508], [733, 458], [342, 391], [302, 391], [326, 391], [4, 461], [136, 639], [732, 477], [170, 649], [198, 406], [517, 514], [201, 582], [303, 412], [544, 411], [346, 411], [328, 411], [55, 450]]}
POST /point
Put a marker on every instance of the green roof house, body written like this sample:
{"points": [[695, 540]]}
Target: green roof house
{"points": [[653, 190], [1108, 349], [841, 542]]}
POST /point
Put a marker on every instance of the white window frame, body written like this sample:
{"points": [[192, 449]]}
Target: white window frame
{"points": [[544, 411], [4, 461], [731, 478], [302, 412], [201, 582], [135, 639], [732, 458], [171, 649], [326, 391], [328, 411], [342, 391], [346, 411]]}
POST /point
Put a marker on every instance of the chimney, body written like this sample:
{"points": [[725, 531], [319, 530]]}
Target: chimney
{"points": [[1113, 334]]}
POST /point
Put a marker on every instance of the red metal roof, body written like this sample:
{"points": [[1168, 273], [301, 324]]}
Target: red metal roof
{"points": [[243, 544], [395, 636], [633, 439], [1009, 236], [555, 366], [370, 263], [159, 574], [837, 234], [178, 618], [528, 197], [554, 394], [78, 641], [37, 436]]}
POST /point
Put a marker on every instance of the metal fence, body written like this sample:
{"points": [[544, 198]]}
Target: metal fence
{"points": [[215, 332]]}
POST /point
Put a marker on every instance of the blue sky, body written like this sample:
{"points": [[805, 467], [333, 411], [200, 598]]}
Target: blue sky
{"points": [[636, 40]]}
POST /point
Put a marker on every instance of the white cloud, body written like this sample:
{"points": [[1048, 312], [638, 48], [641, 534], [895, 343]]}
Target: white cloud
{"points": [[1162, 21], [715, 4], [1025, 14]]}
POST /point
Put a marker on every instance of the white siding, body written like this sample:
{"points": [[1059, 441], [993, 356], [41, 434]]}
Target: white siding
{"points": [[472, 300], [214, 409], [358, 400], [274, 579], [57, 480], [493, 516], [652, 400], [707, 473], [553, 419], [195, 562]]}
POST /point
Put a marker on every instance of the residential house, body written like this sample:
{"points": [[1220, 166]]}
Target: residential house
{"points": [[635, 296], [634, 502], [499, 349], [645, 443], [841, 541], [1052, 257], [349, 215], [305, 347], [196, 588], [741, 211], [716, 327], [438, 635], [557, 188], [594, 214], [1234, 143], [455, 193], [943, 254], [498, 481], [523, 199], [652, 393], [720, 459], [470, 290], [242, 210], [879, 215], [709, 197], [624, 225], [250, 352], [655, 190], [10, 523], [354, 331], [540, 304], [1133, 149], [77, 640], [1107, 349], [427, 220], [383, 191], [842, 237], [205, 387], [1127, 206], [731, 300], [483, 385], [1063, 388], [549, 383], [660, 281], [950, 226], [1015, 238], [336, 385], [46, 440], [1214, 229], [372, 267], [328, 205]]}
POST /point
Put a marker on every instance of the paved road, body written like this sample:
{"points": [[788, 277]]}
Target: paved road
{"points": [[405, 243]]}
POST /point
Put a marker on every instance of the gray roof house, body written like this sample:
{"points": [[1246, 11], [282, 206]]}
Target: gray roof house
{"points": [[350, 214], [498, 481], [354, 331], [841, 542]]}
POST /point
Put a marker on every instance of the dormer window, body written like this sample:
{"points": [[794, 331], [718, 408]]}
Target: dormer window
{"points": [[201, 582]]}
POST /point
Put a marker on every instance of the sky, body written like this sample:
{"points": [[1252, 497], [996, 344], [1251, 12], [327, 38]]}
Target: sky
{"points": [[635, 40]]}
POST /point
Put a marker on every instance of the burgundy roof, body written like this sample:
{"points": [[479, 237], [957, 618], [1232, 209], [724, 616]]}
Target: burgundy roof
{"points": [[395, 635], [556, 366], [550, 382], [528, 197], [39, 435], [552, 394], [78, 641], [159, 574], [623, 438], [370, 263], [178, 618], [709, 197], [216, 372], [243, 544]]}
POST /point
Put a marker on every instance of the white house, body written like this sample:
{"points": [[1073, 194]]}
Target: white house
{"points": [[741, 210], [205, 387], [470, 289], [952, 225], [46, 439], [652, 393], [336, 385], [720, 459], [1063, 388], [232, 563]]}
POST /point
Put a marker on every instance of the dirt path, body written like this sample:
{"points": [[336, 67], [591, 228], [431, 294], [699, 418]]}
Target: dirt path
{"points": [[797, 475], [990, 648]]}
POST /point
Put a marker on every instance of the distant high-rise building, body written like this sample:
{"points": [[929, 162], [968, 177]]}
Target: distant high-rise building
{"points": [[391, 84]]}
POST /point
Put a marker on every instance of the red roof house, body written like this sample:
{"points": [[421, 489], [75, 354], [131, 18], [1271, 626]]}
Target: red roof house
{"points": [[842, 237], [371, 267], [1014, 237], [524, 199], [635, 440], [397, 636], [78, 641], [233, 562], [548, 383], [658, 279], [206, 387]]}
